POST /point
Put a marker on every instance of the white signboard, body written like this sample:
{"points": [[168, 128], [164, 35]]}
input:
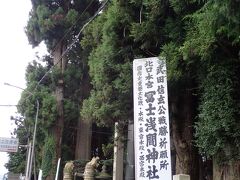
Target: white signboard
{"points": [[151, 120], [8, 144]]}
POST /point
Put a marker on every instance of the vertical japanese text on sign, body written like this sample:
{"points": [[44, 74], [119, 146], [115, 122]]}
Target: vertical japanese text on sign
{"points": [[151, 120]]}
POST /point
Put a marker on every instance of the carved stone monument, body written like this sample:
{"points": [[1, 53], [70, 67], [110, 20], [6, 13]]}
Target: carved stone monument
{"points": [[90, 167], [67, 171]]}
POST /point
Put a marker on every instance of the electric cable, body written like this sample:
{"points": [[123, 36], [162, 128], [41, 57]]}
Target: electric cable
{"points": [[69, 30], [71, 45]]}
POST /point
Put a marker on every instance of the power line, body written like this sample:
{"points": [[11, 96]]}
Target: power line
{"points": [[71, 45], [68, 48], [69, 30], [8, 105]]}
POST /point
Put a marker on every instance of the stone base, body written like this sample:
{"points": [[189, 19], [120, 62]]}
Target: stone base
{"points": [[67, 176], [181, 177]]}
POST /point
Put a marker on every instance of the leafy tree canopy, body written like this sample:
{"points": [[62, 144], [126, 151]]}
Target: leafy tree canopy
{"points": [[58, 20]]}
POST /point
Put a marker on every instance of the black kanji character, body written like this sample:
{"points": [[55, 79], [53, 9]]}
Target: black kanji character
{"points": [[140, 119], [163, 142], [163, 165], [142, 174], [161, 109], [140, 113], [160, 69], [151, 139], [163, 154], [141, 148], [149, 77], [141, 142], [150, 110], [151, 173], [148, 63], [152, 155], [151, 124], [150, 96], [149, 69], [140, 88], [149, 84], [139, 73], [161, 99], [162, 120], [141, 158], [163, 131], [160, 79], [139, 68], [160, 89]]}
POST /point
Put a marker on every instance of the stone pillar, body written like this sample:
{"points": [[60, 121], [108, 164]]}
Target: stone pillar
{"points": [[118, 156], [130, 175], [181, 177]]}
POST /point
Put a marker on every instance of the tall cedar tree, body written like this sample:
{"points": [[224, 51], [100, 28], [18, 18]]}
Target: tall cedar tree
{"points": [[213, 43], [57, 23]]}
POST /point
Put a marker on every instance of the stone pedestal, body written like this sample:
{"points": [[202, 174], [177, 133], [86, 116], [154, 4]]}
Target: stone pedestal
{"points": [[181, 177], [67, 176], [89, 173]]}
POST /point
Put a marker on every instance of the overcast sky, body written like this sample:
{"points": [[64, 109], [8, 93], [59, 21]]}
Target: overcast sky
{"points": [[15, 53]]}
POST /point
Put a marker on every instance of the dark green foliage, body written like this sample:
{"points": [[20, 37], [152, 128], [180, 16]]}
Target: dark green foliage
{"points": [[93, 33], [54, 21], [79, 166], [43, 93], [48, 110], [48, 157], [218, 129], [110, 68], [214, 25], [73, 77], [108, 163], [108, 150], [174, 58], [18, 161], [212, 41], [28, 107]]}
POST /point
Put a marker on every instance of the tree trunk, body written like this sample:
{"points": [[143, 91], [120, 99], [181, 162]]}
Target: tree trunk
{"points": [[84, 127], [60, 63], [229, 171], [182, 109], [57, 130], [84, 137]]}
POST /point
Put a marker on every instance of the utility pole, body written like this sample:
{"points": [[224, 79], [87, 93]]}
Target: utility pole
{"points": [[31, 148]]}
